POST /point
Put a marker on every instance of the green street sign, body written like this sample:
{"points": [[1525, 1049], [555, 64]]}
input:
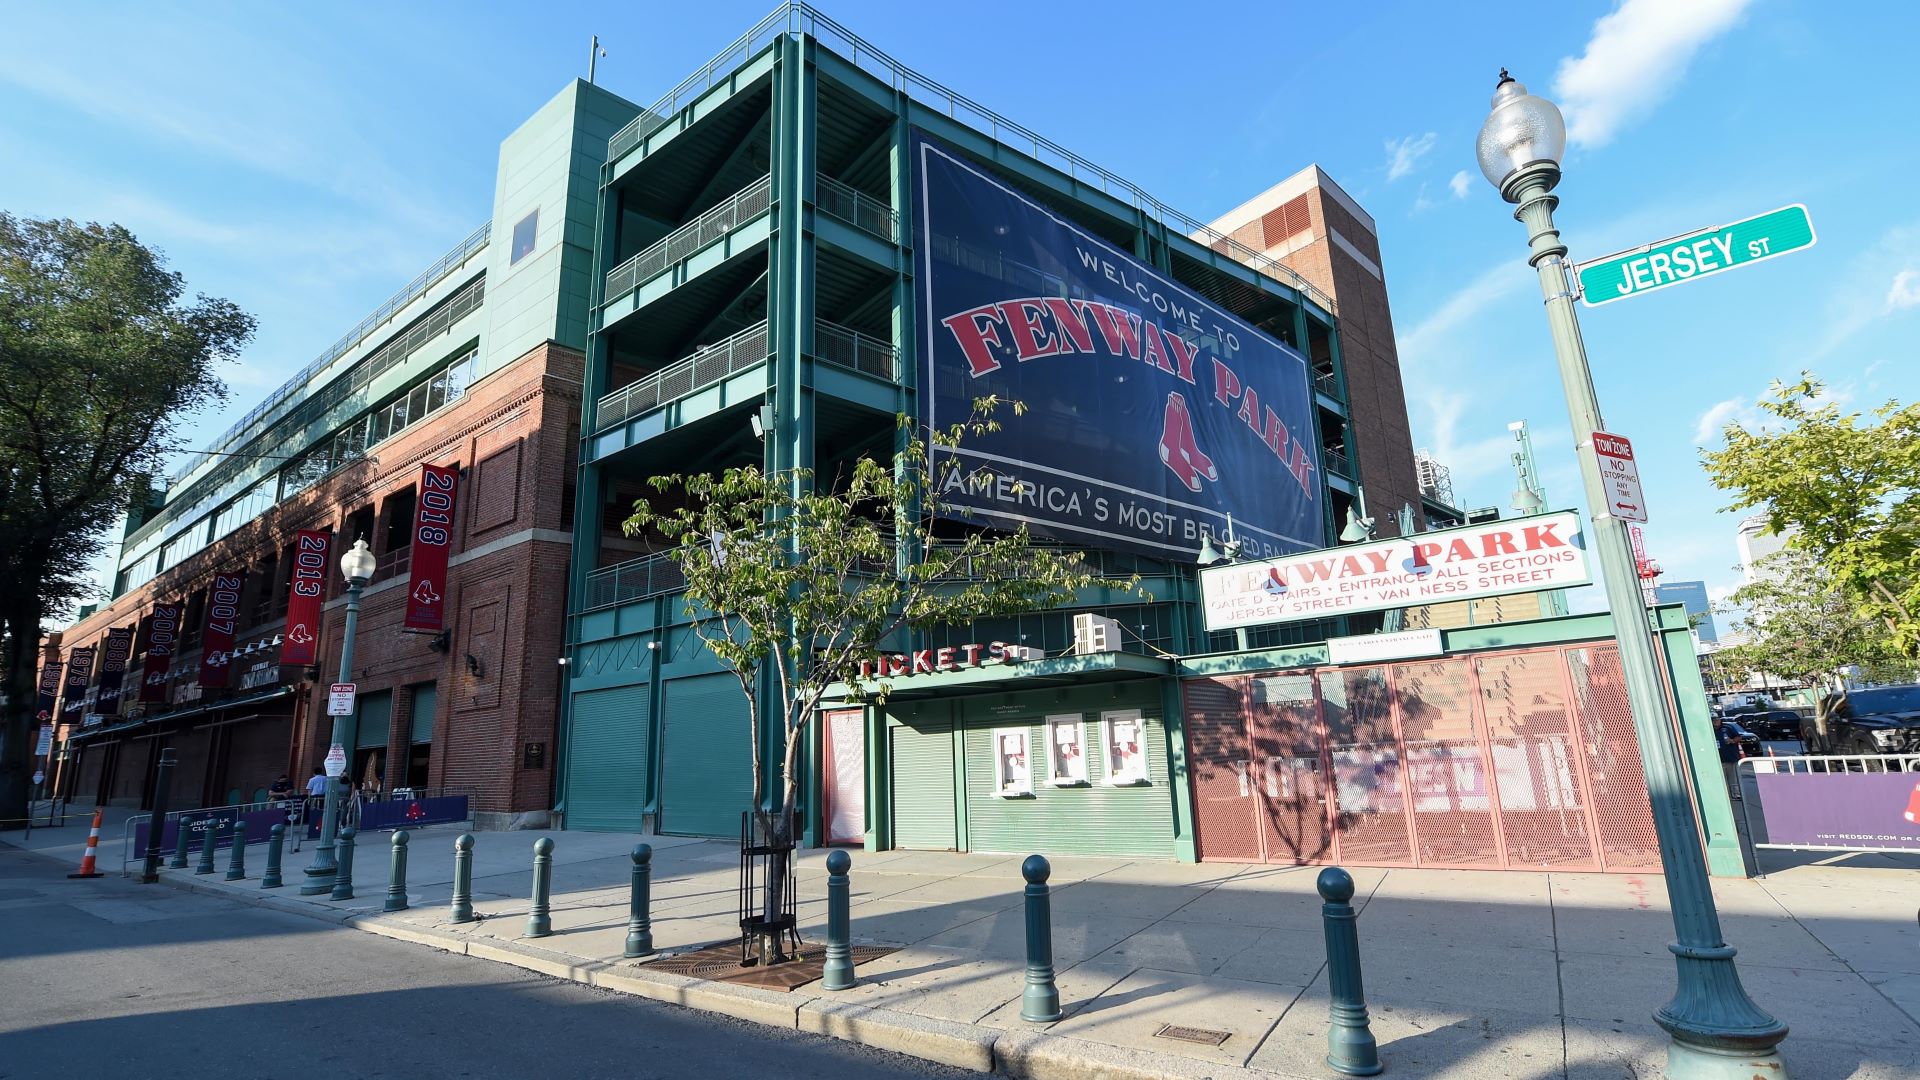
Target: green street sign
{"points": [[1695, 255]]}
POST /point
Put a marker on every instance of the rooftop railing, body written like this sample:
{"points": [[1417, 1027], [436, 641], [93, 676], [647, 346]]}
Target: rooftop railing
{"points": [[798, 19], [738, 209]]}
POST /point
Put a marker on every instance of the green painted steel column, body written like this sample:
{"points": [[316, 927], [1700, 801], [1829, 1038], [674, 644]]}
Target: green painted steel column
{"points": [[343, 871], [1351, 1048], [270, 878], [1716, 1027], [237, 858], [639, 920], [1701, 753], [397, 873], [1040, 1001], [208, 839], [460, 910], [837, 973], [1173, 718], [539, 921]]}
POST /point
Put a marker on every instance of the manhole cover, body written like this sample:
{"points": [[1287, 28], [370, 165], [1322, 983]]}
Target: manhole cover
{"points": [[1203, 1036]]}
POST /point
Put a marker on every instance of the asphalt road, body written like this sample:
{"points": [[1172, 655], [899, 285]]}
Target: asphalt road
{"points": [[106, 978]]}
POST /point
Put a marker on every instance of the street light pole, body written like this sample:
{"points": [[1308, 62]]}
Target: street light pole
{"points": [[358, 566], [1717, 1031]]}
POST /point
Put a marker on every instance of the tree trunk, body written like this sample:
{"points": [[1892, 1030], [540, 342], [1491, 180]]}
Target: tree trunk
{"points": [[20, 622]]}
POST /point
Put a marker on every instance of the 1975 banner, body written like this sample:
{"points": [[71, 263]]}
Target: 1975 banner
{"points": [[1518, 555], [1152, 415]]}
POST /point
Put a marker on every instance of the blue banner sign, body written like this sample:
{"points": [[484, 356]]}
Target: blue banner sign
{"points": [[1153, 417]]}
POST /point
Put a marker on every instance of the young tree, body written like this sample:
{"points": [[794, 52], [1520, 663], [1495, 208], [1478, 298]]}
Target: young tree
{"points": [[1845, 491], [805, 582], [99, 360], [1798, 625]]}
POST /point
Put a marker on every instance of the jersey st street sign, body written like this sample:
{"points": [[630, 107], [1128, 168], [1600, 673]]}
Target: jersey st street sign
{"points": [[1695, 255]]}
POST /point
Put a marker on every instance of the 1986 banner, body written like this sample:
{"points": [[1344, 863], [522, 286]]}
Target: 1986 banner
{"points": [[1152, 415]]}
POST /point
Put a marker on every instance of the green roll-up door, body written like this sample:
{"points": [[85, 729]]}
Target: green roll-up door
{"points": [[376, 719], [426, 697], [923, 786], [706, 777], [607, 759]]}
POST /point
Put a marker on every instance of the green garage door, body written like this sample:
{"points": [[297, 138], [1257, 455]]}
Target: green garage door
{"points": [[607, 762], [923, 787], [706, 772]]}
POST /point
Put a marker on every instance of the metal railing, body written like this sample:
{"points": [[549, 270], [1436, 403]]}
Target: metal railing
{"points": [[1327, 384], [798, 19], [848, 348], [636, 579], [393, 563], [1335, 461], [736, 210], [857, 208], [683, 377]]}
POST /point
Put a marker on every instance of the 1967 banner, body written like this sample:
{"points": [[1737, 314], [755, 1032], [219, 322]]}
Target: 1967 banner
{"points": [[1152, 415], [1518, 555], [432, 536], [305, 591]]}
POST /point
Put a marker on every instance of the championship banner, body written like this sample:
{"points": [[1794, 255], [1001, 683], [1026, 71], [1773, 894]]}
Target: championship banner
{"points": [[113, 669], [50, 672], [432, 536], [216, 638], [1526, 554], [163, 633], [309, 584], [73, 699], [1153, 418]]}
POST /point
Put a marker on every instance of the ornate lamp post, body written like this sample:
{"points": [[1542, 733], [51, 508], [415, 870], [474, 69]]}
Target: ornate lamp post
{"points": [[1717, 1031], [358, 565]]}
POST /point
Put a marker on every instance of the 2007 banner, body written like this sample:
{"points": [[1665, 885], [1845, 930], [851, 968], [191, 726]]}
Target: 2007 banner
{"points": [[432, 540], [1152, 415]]}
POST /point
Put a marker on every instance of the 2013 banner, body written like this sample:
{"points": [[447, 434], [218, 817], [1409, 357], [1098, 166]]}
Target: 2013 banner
{"points": [[113, 670], [216, 638], [301, 641], [1152, 417], [163, 633], [432, 541]]}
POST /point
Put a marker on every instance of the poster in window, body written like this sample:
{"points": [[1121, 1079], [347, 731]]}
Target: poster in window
{"points": [[1123, 739], [1011, 772], [1067, 755]]}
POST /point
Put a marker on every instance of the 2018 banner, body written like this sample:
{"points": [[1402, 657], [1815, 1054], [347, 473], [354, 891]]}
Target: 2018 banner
{"points": [[73, 697], [308, 585], [432, 539], [216, 639], [163, 633], [1152, 417], [113, 670], [49, 691]]}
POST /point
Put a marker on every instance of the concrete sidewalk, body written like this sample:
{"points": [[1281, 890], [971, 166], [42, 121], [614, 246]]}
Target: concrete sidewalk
{"points": [[1510, 975]]}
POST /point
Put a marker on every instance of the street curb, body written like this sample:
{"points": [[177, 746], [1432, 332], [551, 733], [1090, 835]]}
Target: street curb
{"points": [[1020, 1053]]}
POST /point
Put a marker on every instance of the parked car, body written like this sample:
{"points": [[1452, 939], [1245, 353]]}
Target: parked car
{"points": [[1732, 734], [1883, 720], [1774, 723]]}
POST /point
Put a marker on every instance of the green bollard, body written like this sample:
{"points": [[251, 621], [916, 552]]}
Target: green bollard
{"points": [[462, 909], [1041, 1001], [838, 972], [181, 841], [270, 878], [538, 922], [1350, 1045], [397, 873], [237, 858], [207, 839], [343, 854], [639, 923]]}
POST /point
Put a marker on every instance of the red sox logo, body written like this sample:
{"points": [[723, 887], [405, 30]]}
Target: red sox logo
{"points": [[423, 593], [300, 635], [1178, 450]]}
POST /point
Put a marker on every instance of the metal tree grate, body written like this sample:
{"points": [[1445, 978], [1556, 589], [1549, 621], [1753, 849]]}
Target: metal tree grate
{"points": [[1203, 1036]]}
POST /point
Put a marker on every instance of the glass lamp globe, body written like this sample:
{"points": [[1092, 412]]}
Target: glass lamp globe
{"points": [[1521, 130], [358, 563]]}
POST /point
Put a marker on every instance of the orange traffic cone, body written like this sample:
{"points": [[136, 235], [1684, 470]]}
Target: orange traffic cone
{"points": [[93, 841]]}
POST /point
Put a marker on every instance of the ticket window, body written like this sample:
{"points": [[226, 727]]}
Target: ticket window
{"points": [[1123, 745], [1012, 775], [1067, 754]]}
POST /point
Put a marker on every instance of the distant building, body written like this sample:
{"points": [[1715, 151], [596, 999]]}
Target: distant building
{"points": [[1756, 543], [1692, 595]]}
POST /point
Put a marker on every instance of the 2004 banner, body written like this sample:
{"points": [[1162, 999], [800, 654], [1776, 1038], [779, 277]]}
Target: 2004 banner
{"points": [[1153, 416]]}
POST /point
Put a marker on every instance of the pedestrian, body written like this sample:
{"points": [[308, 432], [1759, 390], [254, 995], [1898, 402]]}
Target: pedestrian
{"points": [[1730, 760]]}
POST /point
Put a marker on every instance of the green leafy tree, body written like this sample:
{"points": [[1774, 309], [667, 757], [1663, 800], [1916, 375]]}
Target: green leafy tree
{"points": [[1841, 486], [1793, 622], [100, 358], [801, 582]]}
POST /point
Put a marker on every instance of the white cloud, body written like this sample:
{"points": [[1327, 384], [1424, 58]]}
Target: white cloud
{"points": [[1905, 292], [1636, 57], [1460, 183], [1707, 429], [1404, 154]]}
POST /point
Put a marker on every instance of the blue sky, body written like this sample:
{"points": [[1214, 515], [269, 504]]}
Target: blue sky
{"points": [[306, 161]]}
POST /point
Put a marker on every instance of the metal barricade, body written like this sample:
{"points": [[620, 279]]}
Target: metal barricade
{"points": [[1831, 802]]}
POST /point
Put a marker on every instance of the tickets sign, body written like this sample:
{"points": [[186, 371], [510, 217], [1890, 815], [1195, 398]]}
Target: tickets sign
{"points": [[1527, 554]]}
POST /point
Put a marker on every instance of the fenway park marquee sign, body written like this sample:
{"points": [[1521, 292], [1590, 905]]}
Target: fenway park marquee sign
{"points": [[1520, 555]]}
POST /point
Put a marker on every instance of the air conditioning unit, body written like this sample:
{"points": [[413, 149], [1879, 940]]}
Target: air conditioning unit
{"points": [[1095, 634]]}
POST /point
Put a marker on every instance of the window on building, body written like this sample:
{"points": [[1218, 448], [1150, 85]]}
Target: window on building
{"points": [[399, 531], [523, 236]]}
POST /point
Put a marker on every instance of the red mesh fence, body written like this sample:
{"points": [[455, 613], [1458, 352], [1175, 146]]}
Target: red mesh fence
{"points": [[1543, 815], [1288, 769], [1217, 752], [1369, 785], [1599, 688]]}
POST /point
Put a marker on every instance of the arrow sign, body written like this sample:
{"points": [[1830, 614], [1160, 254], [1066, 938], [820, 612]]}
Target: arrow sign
{"points": [[1695, 255]]}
